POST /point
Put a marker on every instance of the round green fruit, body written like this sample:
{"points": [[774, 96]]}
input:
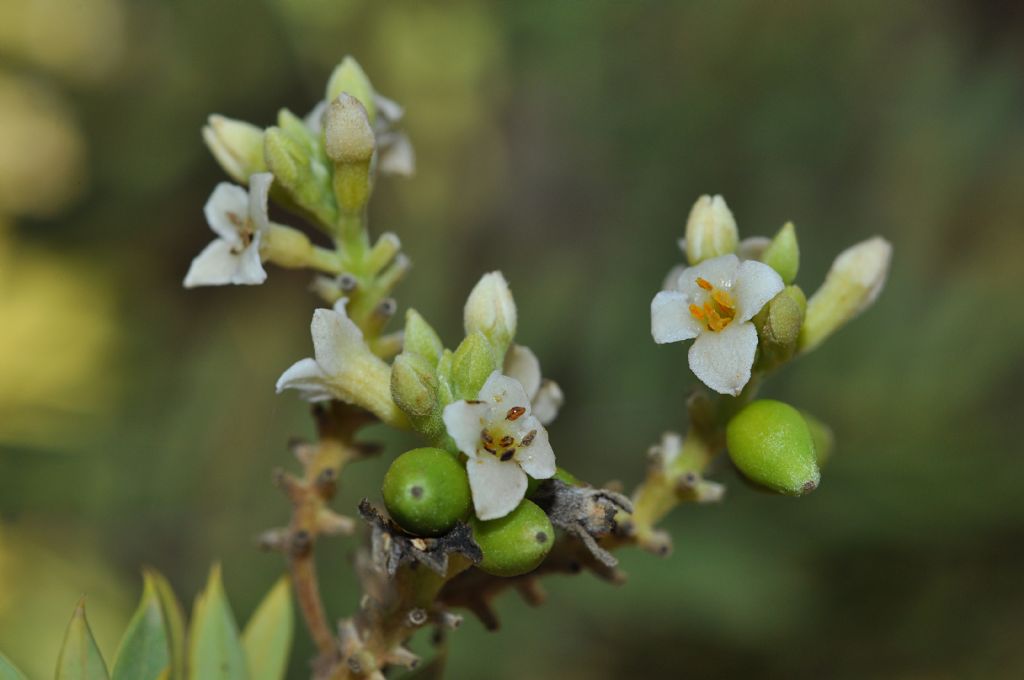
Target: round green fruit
{"points": [[426, 491], [516, 543], [770, 443]]}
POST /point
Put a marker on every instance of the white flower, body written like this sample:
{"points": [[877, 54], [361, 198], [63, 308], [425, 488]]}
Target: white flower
{"points": [[504, 441], [395, 155], [342, 367], [491, 310], [714, 303], [545, 395], [239, 218]]}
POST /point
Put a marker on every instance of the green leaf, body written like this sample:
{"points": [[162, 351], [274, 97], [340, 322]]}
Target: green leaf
{"points": [[80, 658], [144, 653], [174, 621], [267, 639], [8, 671], [214, 648]]}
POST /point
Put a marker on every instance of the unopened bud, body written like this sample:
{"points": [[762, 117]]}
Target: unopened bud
{"points": [[348, 135], [237, 146], [783, 254], [710, 230], [421, 338], [770, 443], [491, 310], [349, 77], [472, 363], [852, 284], [413, 386], [779, 322]]}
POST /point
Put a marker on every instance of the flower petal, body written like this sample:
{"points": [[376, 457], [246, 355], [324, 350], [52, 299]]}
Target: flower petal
{"points": [[537, 459], [547, 402], [334, 337], [227, 206], [671, 281], [722, 360], [250, 271], [497, 486], [504, 392], [308, 378], [720, 272], [464, 421], [522, 364], [671, 320], [389, 109], [214, 266], [397, 157], [259, 188], [753, 247], [314, 120], [756, 283]]}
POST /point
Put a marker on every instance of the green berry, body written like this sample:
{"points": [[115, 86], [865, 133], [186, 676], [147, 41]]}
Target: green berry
{"points": [[426, 491], [516, 543], [770, 443]]}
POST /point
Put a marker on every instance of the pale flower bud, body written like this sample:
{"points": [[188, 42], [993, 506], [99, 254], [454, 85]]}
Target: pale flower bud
{"points": [[491, 310], [852, 284], [237, 146], [349, 77], [710, 230], [348, 135]]}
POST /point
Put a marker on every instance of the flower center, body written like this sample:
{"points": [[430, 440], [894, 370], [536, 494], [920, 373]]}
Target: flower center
{"points": [[719, 308], [498, 441]]}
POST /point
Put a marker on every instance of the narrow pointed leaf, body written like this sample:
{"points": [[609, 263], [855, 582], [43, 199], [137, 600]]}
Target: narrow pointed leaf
{"points": [[214, 648], [144, 652], [174, 620], [268, 634], [8, 671], [80, 658]]}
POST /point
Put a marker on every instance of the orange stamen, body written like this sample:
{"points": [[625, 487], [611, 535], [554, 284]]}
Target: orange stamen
{"points": [[704, 283], [697, 312], [723, 299]]}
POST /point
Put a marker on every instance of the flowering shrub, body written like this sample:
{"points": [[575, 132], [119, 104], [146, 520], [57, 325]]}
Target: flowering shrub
{"points": [[482, 506]]}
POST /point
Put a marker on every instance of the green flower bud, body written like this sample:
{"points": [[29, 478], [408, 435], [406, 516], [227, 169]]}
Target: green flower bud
{"points": [[421, 338], [852, 284], [491, 310], [779, 322], [472, 363], [516, 543], [296, 129], [783, 254], [426, 491], [710, 230], [770, 443], [237, 146], [414, 386], [348, 135], [293, 168], [286, 247], [348, 76]]}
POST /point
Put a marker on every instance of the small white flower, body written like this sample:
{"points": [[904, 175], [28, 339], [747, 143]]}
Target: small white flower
{"points": [[714, 303], [239, 218], [342, 367], [545, 395], [504, 441]]}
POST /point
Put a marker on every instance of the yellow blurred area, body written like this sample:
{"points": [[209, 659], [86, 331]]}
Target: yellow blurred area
{"points": [[78, 39], [43, 573], [56, 346]]}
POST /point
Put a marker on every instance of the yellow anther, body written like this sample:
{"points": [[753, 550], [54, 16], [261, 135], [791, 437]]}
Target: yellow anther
{"points": [[704, 283], [697, 312]]}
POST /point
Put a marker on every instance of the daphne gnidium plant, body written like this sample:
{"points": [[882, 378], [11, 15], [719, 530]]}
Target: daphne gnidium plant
{"points": [[482, 505]]}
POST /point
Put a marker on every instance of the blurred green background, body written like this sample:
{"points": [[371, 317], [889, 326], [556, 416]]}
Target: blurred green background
{"points": [[564, 144]]}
